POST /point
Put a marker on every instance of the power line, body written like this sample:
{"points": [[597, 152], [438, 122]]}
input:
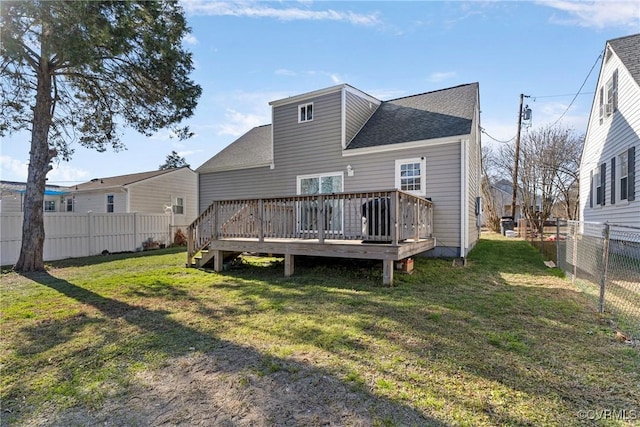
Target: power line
{"points": [[560, 96], [579, 90], [497, 140]]}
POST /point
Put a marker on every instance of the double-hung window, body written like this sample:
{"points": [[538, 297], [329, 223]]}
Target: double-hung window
{"points": [[623, 161], [599, 182], [110, 203], [608, 96], [178, 206], [411, 176], [69, 204], [305, 112]]}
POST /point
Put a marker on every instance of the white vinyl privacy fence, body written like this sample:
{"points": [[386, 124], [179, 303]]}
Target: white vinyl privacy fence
{"points": [[69, 235]]}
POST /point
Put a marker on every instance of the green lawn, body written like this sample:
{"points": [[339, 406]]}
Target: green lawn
{"points": [[502, 341]]}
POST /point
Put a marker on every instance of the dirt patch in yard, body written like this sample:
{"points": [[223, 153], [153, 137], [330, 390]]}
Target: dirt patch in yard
{"points": [[237, 386]]}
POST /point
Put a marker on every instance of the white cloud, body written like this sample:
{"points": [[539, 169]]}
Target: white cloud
{"points": [[387, 94], [285, 72], [238, 123], [439, 76], [595, 14], [335, 78], [13, 169], [190, 39], [64, 174], [260, 10]]}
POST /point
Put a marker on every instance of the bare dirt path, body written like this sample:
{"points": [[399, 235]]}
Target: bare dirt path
{"points": [[236, 386]]}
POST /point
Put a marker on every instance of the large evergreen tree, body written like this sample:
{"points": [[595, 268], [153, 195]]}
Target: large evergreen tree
{"points": [[174, 160], [80, 71]]}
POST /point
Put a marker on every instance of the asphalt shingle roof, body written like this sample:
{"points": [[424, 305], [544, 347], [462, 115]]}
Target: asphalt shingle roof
{"points": [[250, 150], [628, 50], [120, 180], [438, 114]]}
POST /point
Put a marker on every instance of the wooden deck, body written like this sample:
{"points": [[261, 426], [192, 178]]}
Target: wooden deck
{"points": [[385, 225]]}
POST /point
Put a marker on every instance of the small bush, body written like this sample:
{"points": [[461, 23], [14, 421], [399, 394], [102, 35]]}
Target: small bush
{"points": [[179, 239]]}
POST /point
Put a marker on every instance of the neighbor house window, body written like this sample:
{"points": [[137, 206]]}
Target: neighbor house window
{"points": [[411, 176], [110, 203], [178, 206], [49, 205], [305, 113], [609, 96], [599, 181], [70, 204], [623, 161]]}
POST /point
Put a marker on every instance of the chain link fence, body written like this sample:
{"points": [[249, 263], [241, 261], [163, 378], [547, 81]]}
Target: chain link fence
{"points": [[604, 261]]}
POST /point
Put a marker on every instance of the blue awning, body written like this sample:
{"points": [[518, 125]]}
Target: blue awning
{"points": [[49, 192]]}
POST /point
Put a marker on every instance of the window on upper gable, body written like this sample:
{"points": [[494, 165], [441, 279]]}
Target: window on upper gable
{"points": [[609, 96], [305, 112]]}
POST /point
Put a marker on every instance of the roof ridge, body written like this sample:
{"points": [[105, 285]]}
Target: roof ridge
{"points": [[433, 91], [623, 37]]}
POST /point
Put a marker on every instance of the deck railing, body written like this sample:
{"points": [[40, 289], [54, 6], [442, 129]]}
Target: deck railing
{"points": [[381, 216]]}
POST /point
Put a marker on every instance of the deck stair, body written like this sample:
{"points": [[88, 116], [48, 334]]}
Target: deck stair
{"points": [[205, 258]]}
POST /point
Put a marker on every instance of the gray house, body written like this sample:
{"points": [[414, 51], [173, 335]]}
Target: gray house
{"points": [[341, 173]]}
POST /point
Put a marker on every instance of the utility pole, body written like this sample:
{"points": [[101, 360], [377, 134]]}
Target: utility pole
{"points": [[517, 159]]}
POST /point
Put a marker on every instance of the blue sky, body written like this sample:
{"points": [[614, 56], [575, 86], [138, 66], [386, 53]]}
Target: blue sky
{"points": [[250, 53]]}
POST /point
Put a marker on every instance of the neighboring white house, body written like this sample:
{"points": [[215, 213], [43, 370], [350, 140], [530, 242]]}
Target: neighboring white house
{"points": [[171, 191], [608, 170], [12, 197]]}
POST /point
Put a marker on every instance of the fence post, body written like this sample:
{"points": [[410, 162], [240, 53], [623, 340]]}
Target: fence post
{"points": [[605, 265], [261, 216], [575, 253], [90, 233], [320, 218], [557, 242], [136, 230]]}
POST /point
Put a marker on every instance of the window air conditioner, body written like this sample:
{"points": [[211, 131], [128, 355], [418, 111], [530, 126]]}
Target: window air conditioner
{"points": [[608, 109]]}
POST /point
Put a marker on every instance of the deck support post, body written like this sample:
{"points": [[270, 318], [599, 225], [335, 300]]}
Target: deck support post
{"points": [[218, 259], [387, 272], [288, 265]]}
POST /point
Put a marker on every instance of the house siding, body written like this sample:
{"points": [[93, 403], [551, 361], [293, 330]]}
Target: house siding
{"points": [[606, 140], [376, 171], [357, 111], [153, 194], [315, 147], [97, 201]]}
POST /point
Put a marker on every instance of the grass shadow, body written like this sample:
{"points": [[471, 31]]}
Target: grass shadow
{"points": [[77, 374]]}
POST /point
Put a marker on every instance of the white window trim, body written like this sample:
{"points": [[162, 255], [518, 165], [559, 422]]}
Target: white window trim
{"points": [[609, 95], [48, 202], [423, 174], [597, 183], [318, 175], [299, 178], [619, 165], [112, 203], [305, 106], [175, 205]]}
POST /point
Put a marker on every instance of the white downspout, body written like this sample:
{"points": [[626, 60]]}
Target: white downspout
{"points": [[464, 198]]}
